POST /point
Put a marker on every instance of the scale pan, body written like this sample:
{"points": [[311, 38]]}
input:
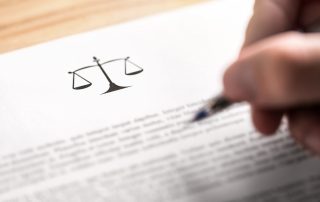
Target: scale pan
{"points": [[136, 72], [80, 82], [83, 86], [131, 68]]}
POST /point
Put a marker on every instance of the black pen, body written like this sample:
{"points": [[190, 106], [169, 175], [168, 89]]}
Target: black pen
{"points": [[214, 106]]}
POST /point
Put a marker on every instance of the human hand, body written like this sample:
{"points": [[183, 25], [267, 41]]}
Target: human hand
{"points": [[278, 70]]}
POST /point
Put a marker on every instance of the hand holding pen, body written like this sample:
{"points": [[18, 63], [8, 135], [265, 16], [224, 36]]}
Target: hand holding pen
{"points": [[278, 70]]}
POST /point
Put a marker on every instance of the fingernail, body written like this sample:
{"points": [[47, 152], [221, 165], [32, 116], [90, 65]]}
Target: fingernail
{"points": [[239, 83], [313, 142]]}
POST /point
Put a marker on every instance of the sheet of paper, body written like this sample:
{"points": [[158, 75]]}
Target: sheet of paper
{"points": [[114, 128]]}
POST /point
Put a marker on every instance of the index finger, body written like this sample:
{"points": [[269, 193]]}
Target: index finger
{"points": [[271, 17]]}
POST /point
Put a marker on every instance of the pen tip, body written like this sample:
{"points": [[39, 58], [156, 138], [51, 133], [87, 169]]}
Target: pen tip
{"points": [[200, 116]]}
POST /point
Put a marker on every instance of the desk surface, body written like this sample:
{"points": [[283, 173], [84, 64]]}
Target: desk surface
{"points": [[27, 22]]}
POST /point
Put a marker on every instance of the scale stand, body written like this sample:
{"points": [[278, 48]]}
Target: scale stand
{"points": [[112, 86]]}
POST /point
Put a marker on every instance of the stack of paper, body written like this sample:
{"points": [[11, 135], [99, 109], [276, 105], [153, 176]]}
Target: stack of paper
{"points": [[114, 128]]}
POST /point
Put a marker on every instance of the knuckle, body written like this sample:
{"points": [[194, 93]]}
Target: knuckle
{"points": [[277, 75]]}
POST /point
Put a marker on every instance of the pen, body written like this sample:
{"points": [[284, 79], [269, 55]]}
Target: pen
{"points": [[214, 106]]}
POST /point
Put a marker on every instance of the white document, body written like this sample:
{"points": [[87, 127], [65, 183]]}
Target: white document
{"points": [[114, 128]]}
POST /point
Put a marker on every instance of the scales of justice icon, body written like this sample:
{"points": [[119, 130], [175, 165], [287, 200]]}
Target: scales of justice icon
{"points": [[135, 69]]}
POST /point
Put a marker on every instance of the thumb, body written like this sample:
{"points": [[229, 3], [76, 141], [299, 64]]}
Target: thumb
{"points": [[281, 71]]}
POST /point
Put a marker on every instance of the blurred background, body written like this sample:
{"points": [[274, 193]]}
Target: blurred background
{"points": [[28, 22]]}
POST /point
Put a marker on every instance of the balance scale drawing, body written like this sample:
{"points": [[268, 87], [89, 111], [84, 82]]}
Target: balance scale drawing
{"points": [[130, 69]]}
